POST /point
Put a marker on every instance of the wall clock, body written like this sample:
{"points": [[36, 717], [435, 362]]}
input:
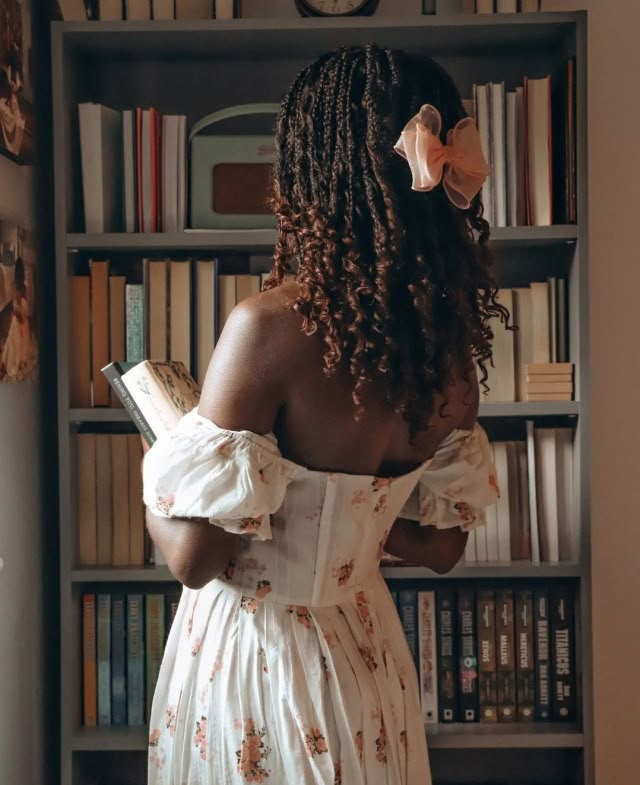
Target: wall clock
{"points": [[336, 7]]}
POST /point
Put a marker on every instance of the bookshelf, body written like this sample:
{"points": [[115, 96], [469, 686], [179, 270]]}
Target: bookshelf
{"points": [[125, 64]]}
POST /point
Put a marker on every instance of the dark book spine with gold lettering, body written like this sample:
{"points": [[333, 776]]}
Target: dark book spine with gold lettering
{"points": [[467, 656], [506, 669], [563, 654], [446, 659], [525, 670], [488, 696]]}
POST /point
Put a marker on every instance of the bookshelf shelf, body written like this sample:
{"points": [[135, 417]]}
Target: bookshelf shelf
{"points": [[488, 571], [264, 239], [123, 575], [472, 736]]}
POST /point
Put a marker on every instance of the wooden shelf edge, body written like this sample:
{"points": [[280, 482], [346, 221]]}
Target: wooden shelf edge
{"points": [[122, 575], [486, 571]]}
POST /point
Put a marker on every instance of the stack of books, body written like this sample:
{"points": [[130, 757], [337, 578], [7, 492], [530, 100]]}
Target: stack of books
{"points": [[123, 639], [144, 10], [493, 654], [134, 169], [549, 382]]}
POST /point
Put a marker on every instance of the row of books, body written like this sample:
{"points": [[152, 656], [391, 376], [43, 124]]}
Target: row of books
{"points": [[534, 519], [123, 639], [539, 312], [530, 148], [134, 169], [504, 6], [493, 654], [142, 10], [177, 312]]}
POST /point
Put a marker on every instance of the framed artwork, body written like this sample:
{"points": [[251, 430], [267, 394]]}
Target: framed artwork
{"points": [[18, 328], [16, 109]]}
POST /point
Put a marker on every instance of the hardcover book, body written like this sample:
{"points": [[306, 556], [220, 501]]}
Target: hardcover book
{"points": [[524, 655], [563, 655], [408, 610], [446, 657], [487, 656], [506, 669], [467, 656], [542, 640]]}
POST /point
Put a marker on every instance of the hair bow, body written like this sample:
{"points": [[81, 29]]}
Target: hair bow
{"points": [[459, 164]]}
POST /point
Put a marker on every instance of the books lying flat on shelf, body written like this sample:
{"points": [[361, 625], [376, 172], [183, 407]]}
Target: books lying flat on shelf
{"points": [[500, 655]]}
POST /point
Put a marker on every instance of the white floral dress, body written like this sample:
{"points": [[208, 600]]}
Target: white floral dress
{"points": [[292, 666]]}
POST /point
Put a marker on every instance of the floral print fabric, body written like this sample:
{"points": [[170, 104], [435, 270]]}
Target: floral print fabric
{"points": [[292, 665]]}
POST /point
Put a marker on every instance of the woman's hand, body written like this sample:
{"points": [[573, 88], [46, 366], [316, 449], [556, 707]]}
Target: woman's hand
{"points": [[438, 549]]}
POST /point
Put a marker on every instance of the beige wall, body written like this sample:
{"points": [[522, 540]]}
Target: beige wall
{"points": [[614, 183]]}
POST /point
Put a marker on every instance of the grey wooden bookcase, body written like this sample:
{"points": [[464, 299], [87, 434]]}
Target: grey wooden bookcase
{"points": [[196, 68]]}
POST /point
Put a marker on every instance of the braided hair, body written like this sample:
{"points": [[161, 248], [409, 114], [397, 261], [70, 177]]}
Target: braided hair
{"points": [[393, 280]]}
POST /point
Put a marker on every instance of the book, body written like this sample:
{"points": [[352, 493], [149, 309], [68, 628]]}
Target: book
{"points": [[99, 275], [446, 656], [498, 152], [563, 675], [541, 327], [481, 539], [80, 343], [563, 322], [139, 173], [506, 666], [145, 174], [89, 662], [73, 10], [120, 498], [549, 396], [525, 671], [206, 311], [549, 387], [470, 552], [157, 308], [154, 618], [547, 493], [225, 9], [228, 299], [86, 500], [134, 295], [487, 690], [129, 170], [545, 368], [523, 338], [137, 10], [183, 182], [408, 611], [180, 312], [118, 661], [170, 153], [553, 318], [246, 286], [110, 10], [467, 656], [533, 496], [155, 129], [117, 324], [503, 506], [492, 533], [135, 660], [104, 497], [428, 671], [539, 164], [481, 103], [529, 6], [100, 155], [506, 6], [521, 158], [104, 658], [484, 7], [136, 508], [511, 124], [194, 9], [542, 654], [163, 9], [155, 394], [568, 526]]}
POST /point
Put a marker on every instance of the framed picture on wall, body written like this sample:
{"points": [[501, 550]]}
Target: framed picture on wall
{"points": [[18, 328], [16, 110]]}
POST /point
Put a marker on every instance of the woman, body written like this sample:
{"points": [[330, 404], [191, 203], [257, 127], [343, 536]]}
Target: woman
{"points": [[337, 420]]}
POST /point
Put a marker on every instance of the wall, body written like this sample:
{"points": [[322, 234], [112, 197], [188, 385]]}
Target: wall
{"points": [[614, 185]]}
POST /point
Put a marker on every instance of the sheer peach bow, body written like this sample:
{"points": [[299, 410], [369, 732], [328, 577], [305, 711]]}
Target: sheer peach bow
{"points": [[459, 163]]}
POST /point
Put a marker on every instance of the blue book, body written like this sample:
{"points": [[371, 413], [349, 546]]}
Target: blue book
{"points": [[135, 659], [104, 659], [118, 662], [134, 294], [408, 610]]}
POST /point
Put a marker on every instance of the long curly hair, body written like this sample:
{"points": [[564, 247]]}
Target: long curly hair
{"points": [[398, 283]]}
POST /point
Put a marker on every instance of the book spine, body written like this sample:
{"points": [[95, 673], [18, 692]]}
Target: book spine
{"points": [[113, 372], [428, 661], [446, 656], [118, 662], [408, 609], [104, 659], [542, 654], [90, 693], [488, 696], [506, 670], [525, 667], [563, 654], [154, 642], [135, 323], [135, 660], [467, 656]]}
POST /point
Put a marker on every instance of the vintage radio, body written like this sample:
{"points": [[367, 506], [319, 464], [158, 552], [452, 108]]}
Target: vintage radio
{"points": [[231, 175]]}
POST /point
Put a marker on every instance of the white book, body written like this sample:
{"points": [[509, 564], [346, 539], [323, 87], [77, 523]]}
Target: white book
{"points": [[503, 510], [502, 380], [498, 153], [523, 338], [145, 172], [512, 159], [484, 6], [205, 316], [180, 312], [129, 169], [194, 9], [492, 532], [428, 656], [170, 164], [110, 10], [524, 520], [540, 321], [182, 173], [533, 497], [481, 539], [538, 108], [163, 9], [506, 6], [569, 532], [470, 555], [225, 9], [553, 318], [101, 156], [73, 10], [138, 10], [481, 101], [547, 493], [515, 501]]}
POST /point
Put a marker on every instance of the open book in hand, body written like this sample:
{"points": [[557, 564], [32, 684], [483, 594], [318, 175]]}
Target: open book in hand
{"points": [[156, 394]]}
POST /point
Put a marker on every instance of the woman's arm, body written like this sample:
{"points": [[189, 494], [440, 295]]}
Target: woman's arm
{"points": [[438, 549]]}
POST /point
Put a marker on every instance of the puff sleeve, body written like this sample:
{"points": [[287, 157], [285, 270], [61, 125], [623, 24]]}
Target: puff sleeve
{"points": [[457, 484], [236, 479]]}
